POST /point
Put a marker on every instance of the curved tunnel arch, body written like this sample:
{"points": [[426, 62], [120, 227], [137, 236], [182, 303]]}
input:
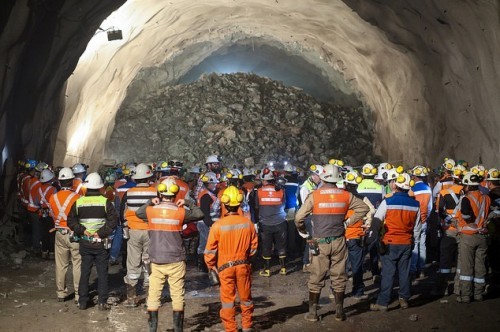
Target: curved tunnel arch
{"points": [[384, 75]]}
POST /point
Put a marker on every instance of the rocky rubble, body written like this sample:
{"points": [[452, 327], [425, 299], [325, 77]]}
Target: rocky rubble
{"points": [[238, 116]]}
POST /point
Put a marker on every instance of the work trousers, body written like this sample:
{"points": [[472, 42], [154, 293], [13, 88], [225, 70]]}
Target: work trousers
{"points": [[100, 258], [174, 273], [137, 252], [419, 253], [203, 231], [66, 252], [356, 255], [48, 238], [472, 250], [116, 245], [397, 258], [237, 278], [331, 263], [276, 234], [449, 254], [36, 231], [306, 257]]}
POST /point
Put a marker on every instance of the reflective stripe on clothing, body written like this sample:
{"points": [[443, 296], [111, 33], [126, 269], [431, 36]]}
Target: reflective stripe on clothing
{"points": [[480, 205], [137, 197], [58, 211], [91, 211], [329, 211], [34, 195]]}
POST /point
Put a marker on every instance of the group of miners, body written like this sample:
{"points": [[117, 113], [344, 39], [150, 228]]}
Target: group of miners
{"points": [[333, 214]]}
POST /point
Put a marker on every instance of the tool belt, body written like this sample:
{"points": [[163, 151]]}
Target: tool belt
{"points": [[233, 263], [327, 240]]}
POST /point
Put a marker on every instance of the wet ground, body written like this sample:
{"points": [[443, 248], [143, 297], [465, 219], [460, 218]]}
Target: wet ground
{"points": [[28, 303]]}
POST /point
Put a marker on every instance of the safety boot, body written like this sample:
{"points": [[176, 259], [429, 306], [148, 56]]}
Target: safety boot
{"points": [[312, 315], [178, 321], [152, 320], [282, 265], [131, 297], [202, 267], [339, 306], [267, 269]]}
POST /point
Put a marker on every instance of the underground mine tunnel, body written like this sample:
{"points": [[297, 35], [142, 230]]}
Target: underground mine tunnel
{"points": [[299, 80]]}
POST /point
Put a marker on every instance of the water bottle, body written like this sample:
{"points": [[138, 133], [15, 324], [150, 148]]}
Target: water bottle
{"points": [[126, 232], [213, 277]]}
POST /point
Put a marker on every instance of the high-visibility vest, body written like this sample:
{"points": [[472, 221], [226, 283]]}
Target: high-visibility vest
{"points": [[400, 218], [183, 186], [60, 205], [215, 210], [480, 205], [91, 211], [354, 231], [78, 187], [455, 193], [25, 190], [165, 217], [329, 211], [46, 191], [137, 197], [34, 195]]}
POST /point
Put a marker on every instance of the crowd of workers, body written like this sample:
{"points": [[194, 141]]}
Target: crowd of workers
{"points": [[155, 216]]}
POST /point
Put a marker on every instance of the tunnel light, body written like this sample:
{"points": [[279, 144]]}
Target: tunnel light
{"points": [[113, 34]]}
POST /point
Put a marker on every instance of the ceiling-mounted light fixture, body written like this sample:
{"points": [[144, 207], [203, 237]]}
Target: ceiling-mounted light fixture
{"points": [[113, 34]]}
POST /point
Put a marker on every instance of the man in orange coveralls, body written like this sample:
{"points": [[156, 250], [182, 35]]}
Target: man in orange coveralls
{"points": [[231, 241]]}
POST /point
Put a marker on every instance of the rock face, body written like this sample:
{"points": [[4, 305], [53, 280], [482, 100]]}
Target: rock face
{"points": [[237, 116]]}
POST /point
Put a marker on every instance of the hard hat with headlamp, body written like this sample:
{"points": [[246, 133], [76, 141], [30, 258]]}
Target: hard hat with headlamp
{"points": [[449, 164], [41, 166], [353, 178], [168, 187], [267, 174], [66, 174], [336, 162], [478, 169], [471, 179], [458, 171], [231, 196], [46, 176], [78, 169], [404, 181], [368, 170], [234, 174], [209, 177], [419, 171], [330, 174], [493, 175], [213, 159]]}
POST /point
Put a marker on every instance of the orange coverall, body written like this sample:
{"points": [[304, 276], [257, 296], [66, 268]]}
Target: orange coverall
{"points": [[232, 240]]}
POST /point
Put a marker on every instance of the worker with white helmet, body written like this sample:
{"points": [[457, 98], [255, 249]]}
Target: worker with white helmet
{"points": [[80, 172], [165, 218], [446, 180], [209, 203], [66, 252], [46, 191], [93, 218], [328, 206], [138, 243], [448, 204], [310, 184], [213, 164], [291, 188], [399, 216], [472, 226]]}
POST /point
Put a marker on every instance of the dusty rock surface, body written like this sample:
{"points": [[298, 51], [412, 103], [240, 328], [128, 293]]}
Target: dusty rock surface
{"points": [[237, 116], [28, 303]]}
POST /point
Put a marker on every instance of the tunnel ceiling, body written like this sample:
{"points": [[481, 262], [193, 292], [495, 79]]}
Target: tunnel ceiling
{"points": [[427, 69]]}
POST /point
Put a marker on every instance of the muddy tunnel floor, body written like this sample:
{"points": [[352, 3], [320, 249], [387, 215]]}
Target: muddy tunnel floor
{"points": [[28, 303]]}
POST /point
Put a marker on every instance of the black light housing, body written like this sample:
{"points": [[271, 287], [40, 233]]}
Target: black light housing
{"points": [[115, 35]]}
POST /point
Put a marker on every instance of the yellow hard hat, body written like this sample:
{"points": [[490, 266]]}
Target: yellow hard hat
{"points": [[231, 196]]}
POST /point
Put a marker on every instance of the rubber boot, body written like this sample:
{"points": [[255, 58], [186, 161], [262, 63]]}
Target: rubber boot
{"points": [[283, 266], [267, 268], [131, 297], [202, 267], [153, 320], [339, 306], [178, 321], [312, 315]]}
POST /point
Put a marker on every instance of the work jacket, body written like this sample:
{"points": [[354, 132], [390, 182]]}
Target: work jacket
{"points": [[474, 208], [133, 199], [60, 205]]}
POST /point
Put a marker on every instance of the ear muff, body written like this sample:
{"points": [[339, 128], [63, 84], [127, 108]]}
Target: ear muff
{"points": [[457, 172], [240, 176], [412, 183], [350, 177], [229, 175], [164, 164], [400, 179], [417, 171], [359, 179], [481, 173], [388, 167], [448, 165], [366, 170], [475, 171], [126, 172], [313, 168], [332, 161], [373, 171], [495, 174], [204, 178], [340, 163], [162, 188], [225, 199], [400, 169]]}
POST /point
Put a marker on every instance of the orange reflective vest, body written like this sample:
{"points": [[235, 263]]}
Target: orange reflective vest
{"points": [[454, 192], [354, 231], [60, 205], [78, 187], [46, 191], [34, 194], [183, 186], [25, 190], [166, 217], [136, 197], [480, 206], [329, 211]]}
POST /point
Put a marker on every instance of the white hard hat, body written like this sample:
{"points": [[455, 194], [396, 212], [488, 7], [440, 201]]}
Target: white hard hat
{"points": [[288, 168], [66, 174], [316, 169], [471, 179], [78, 168], [404, 181], [352, 177], [41, 166], [213, 159], [209, 177], [94, 181], [195, 169], [478, 169], [493, 175], [368, 170], [247, 172], [234, 174], [142, 171], [168, 187], [46, 175], [267, 174], [458, 171], [336, 162], [449, 163], [391, 174], [331, 173], [131, 167], [420, 171]]}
